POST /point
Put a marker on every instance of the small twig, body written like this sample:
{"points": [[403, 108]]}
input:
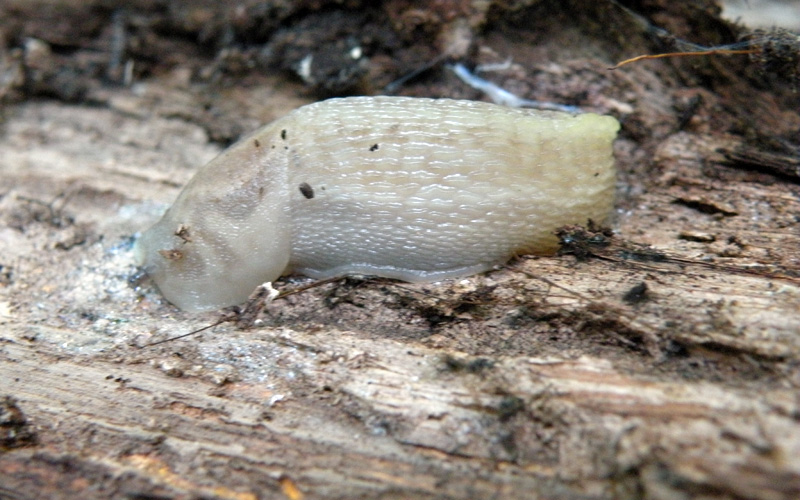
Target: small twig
{"points": [[499, 95], [395, 85], [551, 283], [709, 52], [245, 315], [307, 286], [193, 332]]}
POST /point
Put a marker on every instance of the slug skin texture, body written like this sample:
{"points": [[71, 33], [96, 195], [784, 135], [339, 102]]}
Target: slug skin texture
{"points": [[407, 188]]}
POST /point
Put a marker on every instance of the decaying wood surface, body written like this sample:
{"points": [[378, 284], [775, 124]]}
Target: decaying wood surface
{"points": [[660, 360]]}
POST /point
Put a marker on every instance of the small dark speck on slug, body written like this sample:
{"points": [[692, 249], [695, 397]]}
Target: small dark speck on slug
{"points": [[183, 233], [171, 254], [307, 190], [374, 147]]}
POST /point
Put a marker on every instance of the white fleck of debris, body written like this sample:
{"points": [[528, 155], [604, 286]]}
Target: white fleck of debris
{"points": [[499, 95], [304, 68]]}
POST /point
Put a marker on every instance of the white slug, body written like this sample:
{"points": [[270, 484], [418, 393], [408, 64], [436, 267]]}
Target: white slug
{"points": [[407, 188]]}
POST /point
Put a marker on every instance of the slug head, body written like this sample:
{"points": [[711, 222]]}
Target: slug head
{"points": [[227, 232]]}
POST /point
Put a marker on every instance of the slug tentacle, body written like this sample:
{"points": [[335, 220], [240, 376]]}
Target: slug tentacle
{"points": [[407, 188]]}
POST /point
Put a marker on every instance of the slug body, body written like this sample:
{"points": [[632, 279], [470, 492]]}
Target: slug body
{"points": [[407, 188]]}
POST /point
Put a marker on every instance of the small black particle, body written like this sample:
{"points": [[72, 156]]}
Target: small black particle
{"points": [[256, 143], [374, 147], [636, 294], [307, 190], [283, 134], [5, 275], [509, 406], [15, 429], [136, 279], [475, 365], [583, 242]]}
